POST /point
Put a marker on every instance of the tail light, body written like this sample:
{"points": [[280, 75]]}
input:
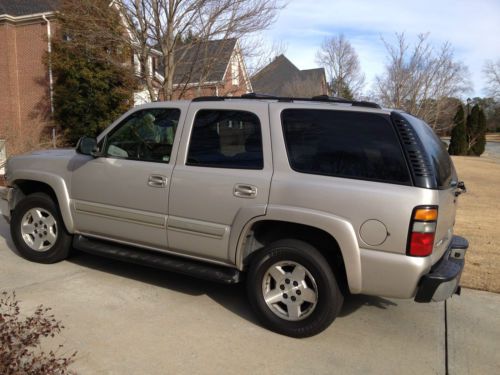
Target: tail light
{"points": [[422, 231]]}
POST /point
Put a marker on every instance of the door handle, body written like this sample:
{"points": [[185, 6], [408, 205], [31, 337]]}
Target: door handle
{"points": [[245, 191], [157, 181]]}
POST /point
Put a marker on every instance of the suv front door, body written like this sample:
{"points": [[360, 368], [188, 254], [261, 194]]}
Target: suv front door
{"points": [[123, 195], [221, 179]]}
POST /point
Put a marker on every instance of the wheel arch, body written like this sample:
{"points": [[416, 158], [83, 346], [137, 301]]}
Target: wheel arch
{"points": [[333, 236], [52, 185]]}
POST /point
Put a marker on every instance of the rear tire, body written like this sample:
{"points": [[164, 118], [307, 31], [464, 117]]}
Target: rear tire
{"points": [[292, 289], [38, 230]]}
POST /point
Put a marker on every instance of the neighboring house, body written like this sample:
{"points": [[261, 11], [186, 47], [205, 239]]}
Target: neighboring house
{"points": [[25, 104], [26, 27], [282, 78], [208, 68]]}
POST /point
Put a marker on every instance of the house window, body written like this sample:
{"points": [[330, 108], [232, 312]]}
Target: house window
{"points": [[150, 66], [235, 71], [137, 64]]}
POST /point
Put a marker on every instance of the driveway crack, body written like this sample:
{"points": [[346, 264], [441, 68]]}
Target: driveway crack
{"points": [[446, 337]]}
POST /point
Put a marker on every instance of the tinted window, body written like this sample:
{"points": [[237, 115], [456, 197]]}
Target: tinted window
{"points": [[344, 144], [437, 152], [226, 139], [146, 135]]}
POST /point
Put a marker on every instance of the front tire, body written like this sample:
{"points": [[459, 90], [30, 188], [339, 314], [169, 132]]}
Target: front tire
{"points": [[292, 289], [38, 230]]}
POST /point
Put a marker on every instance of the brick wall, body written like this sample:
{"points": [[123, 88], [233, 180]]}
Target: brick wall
{"points": [[24, 99]]}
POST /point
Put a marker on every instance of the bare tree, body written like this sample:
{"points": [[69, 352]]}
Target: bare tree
{"points": [[259, 54], [420, 79], [341, 61], [162, 25], [491, 72]]}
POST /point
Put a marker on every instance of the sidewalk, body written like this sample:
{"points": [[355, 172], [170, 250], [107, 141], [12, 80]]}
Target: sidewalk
{"points": [[126, 319]]}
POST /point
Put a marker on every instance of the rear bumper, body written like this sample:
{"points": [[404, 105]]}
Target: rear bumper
{"points": [[443, 280]]}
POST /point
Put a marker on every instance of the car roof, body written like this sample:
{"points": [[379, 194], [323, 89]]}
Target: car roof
{"points": [[319, 102]]}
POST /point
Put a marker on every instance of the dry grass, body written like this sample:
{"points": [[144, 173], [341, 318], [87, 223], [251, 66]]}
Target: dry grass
{"points": [[493, 137], [478, 219]]}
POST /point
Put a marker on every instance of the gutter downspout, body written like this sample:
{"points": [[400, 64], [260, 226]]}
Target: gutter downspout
{"points": [[49, 50], [51, 79]]}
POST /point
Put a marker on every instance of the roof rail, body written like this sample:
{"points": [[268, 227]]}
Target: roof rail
{"points": [[318, 98]]}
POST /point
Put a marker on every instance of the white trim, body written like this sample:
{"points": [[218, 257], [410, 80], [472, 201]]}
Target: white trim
{"points": [[235, 70], [196, 84], [248, 83], [49, 51], [237, 52], [27, 17]]}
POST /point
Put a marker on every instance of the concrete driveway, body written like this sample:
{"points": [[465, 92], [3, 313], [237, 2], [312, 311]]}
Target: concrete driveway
{"points": [[126, 319]]}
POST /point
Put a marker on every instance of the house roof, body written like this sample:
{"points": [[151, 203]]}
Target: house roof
{"points": [[17, 8], [313, 74], [206, 61], [274, 78]]}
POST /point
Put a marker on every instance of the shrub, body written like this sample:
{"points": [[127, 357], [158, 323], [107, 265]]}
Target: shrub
{"points": [[458, 141], [20, 340], [476, 131]]}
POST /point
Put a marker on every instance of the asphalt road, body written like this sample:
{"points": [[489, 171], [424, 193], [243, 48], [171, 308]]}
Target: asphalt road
{"points": [[126, 319]]}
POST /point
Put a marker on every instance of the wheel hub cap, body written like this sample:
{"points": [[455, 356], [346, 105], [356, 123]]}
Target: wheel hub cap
{"points": [[289, 290], [39, 229]]}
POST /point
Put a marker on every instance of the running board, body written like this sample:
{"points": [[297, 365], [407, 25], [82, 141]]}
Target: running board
{"points": [[149, 258]]}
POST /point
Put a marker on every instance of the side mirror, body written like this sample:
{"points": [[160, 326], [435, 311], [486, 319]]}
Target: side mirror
{"points": [[87, 146]]}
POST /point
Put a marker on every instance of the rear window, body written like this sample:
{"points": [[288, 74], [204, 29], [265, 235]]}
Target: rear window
{"points": [[436, 151], [344, 144]]}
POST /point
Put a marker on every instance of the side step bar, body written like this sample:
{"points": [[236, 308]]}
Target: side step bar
{"points": [[149, 258]]}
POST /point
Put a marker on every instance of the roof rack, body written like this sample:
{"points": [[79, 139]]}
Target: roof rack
{"points": [[318, 98]]}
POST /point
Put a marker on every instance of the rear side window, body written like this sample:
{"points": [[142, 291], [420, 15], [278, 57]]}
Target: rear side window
{"points": [[344, 144], [226, 139], [436, 150]]}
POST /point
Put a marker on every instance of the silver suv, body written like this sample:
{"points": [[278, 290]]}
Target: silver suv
{"points": [[308, 199]]}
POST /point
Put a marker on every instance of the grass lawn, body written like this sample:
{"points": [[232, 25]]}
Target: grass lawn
{"points": [[478, 219]]}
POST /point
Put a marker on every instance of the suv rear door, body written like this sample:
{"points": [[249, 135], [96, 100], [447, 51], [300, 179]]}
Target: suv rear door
{"points": [[221, 178]]}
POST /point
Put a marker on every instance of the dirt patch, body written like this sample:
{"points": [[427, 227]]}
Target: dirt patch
{"points": [[478, 219]]}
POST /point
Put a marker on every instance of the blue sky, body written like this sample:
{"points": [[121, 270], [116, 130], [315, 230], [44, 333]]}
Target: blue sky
{"points": [[472, 27]]}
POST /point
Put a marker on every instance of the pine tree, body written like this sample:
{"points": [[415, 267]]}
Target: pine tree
{"points": [[480, 144], [458, 141], [93, 81], [341, 89], [476, 131]]}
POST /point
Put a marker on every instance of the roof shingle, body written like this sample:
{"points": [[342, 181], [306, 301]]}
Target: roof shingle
{"points": [[18, 8], [275, 78], [202, 62]]}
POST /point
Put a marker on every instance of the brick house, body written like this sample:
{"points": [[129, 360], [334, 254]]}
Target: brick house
{"points": [[282, 78], [25, 103], [26, 27], [208, 68]]}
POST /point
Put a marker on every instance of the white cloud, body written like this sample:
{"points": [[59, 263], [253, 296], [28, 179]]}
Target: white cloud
{"points": [[473, 28]]}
